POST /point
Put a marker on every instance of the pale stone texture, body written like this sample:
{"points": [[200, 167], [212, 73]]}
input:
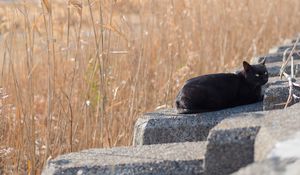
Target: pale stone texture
{"points": [[177, 158]]}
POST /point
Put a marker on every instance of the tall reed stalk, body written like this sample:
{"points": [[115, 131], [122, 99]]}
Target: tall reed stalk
{"points": [[78, 74]]}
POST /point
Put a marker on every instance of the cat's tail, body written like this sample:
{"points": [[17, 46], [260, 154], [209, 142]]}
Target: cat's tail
{"points": [[191, 111], [183, 111], [181, 108]]}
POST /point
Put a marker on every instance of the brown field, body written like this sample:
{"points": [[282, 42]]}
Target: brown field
{"points": [[77, 74]]}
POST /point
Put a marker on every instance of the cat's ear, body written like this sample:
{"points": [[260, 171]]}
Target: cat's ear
{"points": [[263, 61], [246, 66]]}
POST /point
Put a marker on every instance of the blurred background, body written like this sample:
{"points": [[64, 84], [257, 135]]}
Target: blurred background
{"points": [[76, 74]]}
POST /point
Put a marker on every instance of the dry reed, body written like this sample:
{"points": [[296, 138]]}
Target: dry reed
{"points": [[77, 74]]}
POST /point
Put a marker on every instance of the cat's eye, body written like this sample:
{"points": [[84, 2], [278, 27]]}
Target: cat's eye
{"points": [[257, 75], [266, 73]]}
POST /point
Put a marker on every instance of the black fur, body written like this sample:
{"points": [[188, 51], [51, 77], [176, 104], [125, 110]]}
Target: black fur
{"points": [[218, 91]]}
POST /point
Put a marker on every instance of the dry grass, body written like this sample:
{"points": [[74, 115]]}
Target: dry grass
{"points": [[78, 77]]}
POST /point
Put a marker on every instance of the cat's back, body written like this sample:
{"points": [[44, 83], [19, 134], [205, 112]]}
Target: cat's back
{"points": [[213, 79]]}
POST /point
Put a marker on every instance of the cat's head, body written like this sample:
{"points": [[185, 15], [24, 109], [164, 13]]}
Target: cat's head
{"points": [[256, 74]]}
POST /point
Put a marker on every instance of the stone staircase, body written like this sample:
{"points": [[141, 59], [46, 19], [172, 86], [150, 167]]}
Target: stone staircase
{"points": [[249, 139]]}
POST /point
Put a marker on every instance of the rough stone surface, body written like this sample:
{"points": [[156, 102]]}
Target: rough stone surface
{"points": [[229, 150], [276, 137], [282, 159], [282, 48], [167, 127], [271, 58], [274, 69], [288, 148], [276, 126], [179, 158], [273, 166], [276, 94]]}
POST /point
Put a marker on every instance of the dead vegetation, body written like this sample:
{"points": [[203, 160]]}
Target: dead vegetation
{"points": [[77, 74]]}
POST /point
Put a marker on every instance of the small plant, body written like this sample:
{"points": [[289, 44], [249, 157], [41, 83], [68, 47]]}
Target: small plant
{"points": [[290, 77]]}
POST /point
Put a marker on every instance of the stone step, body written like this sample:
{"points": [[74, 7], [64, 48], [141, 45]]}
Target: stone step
{"points": [[229, 150], [278, 126], [273, 166], [164, 159], [282, 48], [278, 136], [232, 144], [274, 69], [167, 126], [274, 126], [284, 158], [276, 94], [274, 57]]}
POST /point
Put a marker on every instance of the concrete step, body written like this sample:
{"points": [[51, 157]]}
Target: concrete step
{"points": [[164, 159], [282, 48], [273, 166], [273, 57], [284, 157], [229, 150], [167, 126], [278, 126], [278, 138], [274, 126], [274, 69], [233, 143], [276, 94]]}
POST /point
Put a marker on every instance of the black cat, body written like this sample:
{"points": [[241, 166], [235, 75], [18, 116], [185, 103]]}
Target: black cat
{"points": [[218, 91]]}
